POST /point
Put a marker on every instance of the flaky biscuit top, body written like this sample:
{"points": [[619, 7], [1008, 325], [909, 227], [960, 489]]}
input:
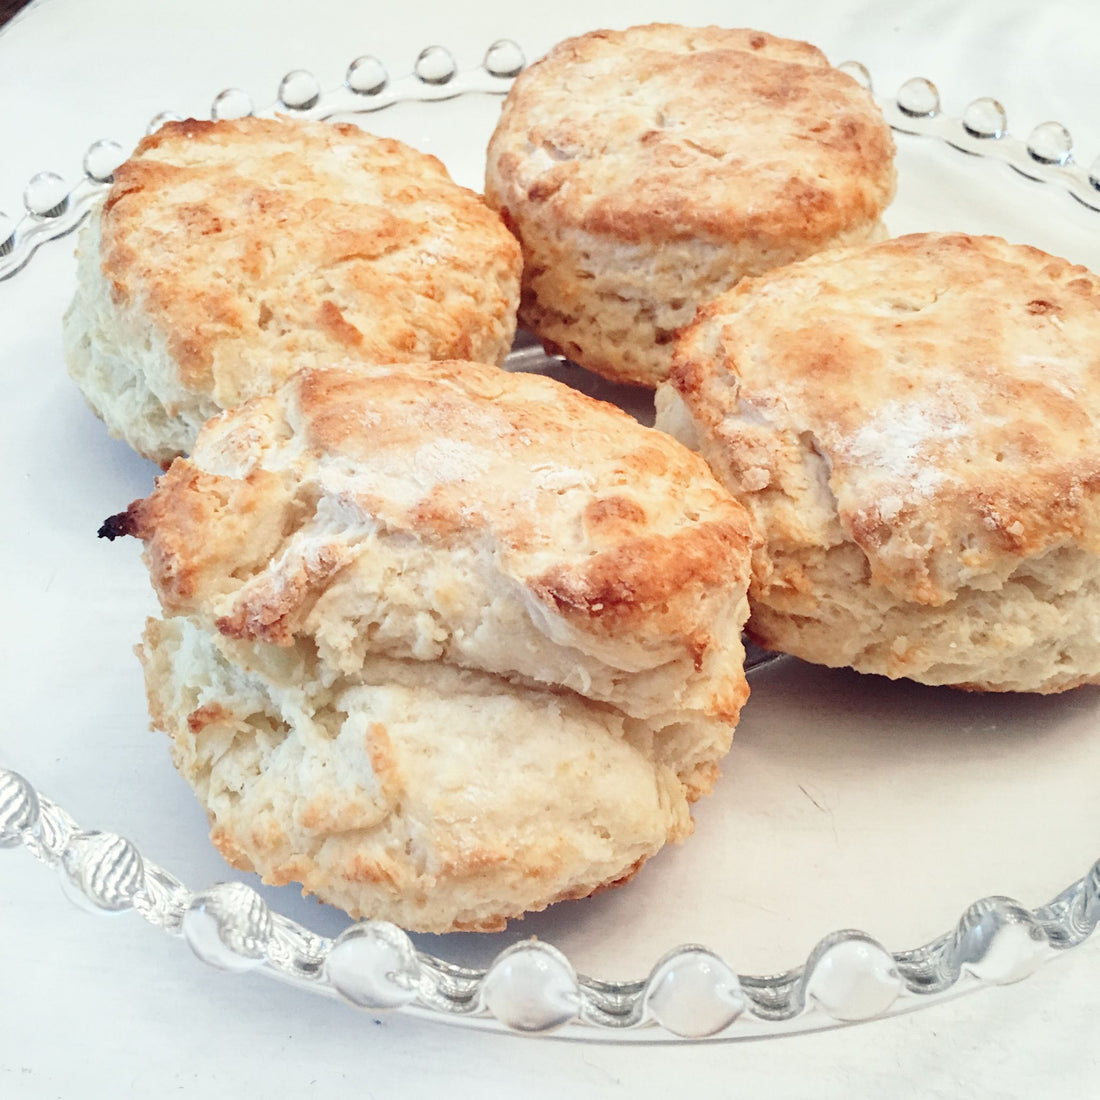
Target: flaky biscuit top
{"points": [[934, 399], [663, 132], [493, 497], [254, 243]]}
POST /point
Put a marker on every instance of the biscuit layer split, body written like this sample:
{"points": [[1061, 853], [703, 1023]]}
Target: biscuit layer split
{"points": [[440, 642]]}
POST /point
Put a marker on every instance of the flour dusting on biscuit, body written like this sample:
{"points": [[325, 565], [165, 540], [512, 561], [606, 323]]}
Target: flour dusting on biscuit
{"points": [[915, 427]]}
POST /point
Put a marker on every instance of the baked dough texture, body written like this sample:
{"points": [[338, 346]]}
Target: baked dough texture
{"points": [[915, 427], [226, 253], [647, 170], [443, 643]]}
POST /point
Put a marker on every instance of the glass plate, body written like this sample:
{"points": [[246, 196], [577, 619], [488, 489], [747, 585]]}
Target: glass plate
{"points": [[849, 802]]}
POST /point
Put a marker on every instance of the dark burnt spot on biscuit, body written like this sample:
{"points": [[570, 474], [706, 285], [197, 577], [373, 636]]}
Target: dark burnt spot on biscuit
{"points": [[119, 525]]}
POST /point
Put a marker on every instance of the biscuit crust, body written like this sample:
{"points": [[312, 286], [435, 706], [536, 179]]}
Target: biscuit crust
{"points": [[647, 170], [430, 570], [225, 252], [914, 427]]}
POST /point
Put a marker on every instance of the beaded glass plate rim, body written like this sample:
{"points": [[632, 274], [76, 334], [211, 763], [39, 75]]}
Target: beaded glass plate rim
{"points": [[53, 209], [531, 987]]}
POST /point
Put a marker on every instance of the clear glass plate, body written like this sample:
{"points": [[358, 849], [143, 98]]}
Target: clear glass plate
{"points": [[849, 802]]}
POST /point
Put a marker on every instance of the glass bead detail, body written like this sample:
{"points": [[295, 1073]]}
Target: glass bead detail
{"points": [[693, 993], [19, 808], [1050, 143], [101, 160], [366, 76], [531, 987], [919, 98], [374, 966], [231, 103], [504, 59], [851, 977], [46, 196], [985, 118], [998, 941], [104, 869], [228, 926], [299, 90], [435, 65]]}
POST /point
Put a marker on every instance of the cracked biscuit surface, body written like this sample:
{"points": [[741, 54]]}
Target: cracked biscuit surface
{"points": [[914, 426], [443, 643], [645, 171], [227, 252]]}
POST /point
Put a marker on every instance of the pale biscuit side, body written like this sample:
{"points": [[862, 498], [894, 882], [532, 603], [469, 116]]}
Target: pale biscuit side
{"points": [[122, 363], [617, 307]]}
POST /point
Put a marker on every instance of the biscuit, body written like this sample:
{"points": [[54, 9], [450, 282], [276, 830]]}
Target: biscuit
{"points": [[443, 643], [915, 427], [226, 252], [645, 171]]}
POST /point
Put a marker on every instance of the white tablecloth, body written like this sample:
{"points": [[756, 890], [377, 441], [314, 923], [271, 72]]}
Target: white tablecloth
{"points": [[96, 1007]]}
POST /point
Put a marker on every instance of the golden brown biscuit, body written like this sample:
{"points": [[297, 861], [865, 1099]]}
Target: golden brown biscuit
{"points": [[645, 171], [915, 426], [227, 252], [441, 642]]}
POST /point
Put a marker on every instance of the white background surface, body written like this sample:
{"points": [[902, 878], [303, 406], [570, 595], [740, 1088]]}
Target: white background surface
{"points": [[98, 1007]]}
